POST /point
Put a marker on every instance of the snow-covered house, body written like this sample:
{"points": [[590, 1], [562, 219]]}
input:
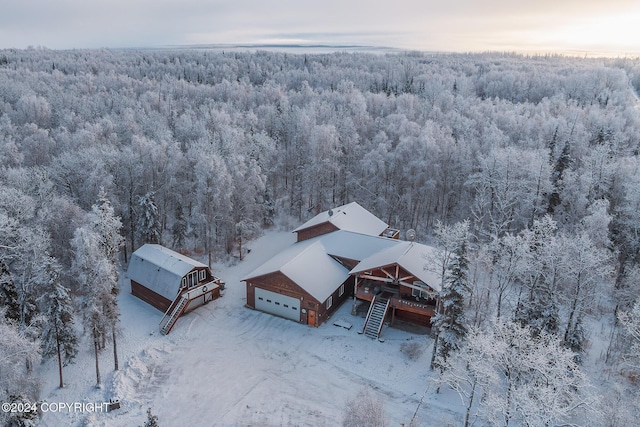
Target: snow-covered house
{"points": [[349, 217], [338, 259], [171, 282]]}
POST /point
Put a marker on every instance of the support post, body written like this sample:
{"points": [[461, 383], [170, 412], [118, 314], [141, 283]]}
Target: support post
{"points": [[354, 307]]}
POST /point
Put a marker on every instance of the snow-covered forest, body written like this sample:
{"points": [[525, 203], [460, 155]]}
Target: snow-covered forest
{"points": [[535, 159]]}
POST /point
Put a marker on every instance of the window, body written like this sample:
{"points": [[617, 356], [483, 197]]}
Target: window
{"points": [[192, 279], [341, 290], [277, 303], [421, 293], [330, 302], [261, 299], [203, 274], [184, 282]]}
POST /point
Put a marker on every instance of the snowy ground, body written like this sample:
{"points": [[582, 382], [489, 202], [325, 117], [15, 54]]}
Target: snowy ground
{"points": [[224, 364]]}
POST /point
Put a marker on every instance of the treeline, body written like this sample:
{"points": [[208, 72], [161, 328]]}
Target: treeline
{"points": [[201, 150]]}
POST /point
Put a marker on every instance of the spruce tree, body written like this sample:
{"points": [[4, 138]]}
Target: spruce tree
{"points": [[152, 420], [58, 335], [149, 225], [450, 321], [9, 295], [179, 229]]}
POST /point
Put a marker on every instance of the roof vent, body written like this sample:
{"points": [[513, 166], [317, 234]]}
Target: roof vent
{"points": [[330, 212]]}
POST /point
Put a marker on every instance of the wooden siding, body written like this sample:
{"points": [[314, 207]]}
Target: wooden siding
{"points": [[197, 302], [317, 230], [323, 312], [150, 297], [279, 283]]}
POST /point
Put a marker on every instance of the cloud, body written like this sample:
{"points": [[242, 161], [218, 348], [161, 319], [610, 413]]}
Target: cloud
{"points": [[460, 25]]}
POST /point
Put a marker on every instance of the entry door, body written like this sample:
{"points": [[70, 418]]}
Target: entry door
{"points": [[278, 304], [311, 317]]}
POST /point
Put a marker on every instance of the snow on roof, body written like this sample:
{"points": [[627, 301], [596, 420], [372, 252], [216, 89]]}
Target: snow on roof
{"points": [[160, 269], [354, 246], [307, 264], [349, 217], [310, 265], [413, 257]]}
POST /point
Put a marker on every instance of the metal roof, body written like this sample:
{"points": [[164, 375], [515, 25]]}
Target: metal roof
{"points": [[413, 257], [160, 269], [349, 217], [311, 266]]}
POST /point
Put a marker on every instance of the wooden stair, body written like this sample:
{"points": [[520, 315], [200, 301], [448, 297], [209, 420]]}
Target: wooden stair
{"points": [[174, 311], [375, 317]]}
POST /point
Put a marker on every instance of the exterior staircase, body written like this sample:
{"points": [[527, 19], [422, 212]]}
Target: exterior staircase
{"points": [[173, 313], [375, 317]]}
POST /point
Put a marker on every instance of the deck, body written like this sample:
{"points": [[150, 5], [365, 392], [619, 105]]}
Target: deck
{"points": [[200, 290], [405, 304]]}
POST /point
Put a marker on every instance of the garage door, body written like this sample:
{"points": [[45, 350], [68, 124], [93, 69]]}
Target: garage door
{"points": [[278, 304]]}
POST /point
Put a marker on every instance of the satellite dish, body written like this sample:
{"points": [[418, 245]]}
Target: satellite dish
{"points": [[330, 212], [411, 234]]}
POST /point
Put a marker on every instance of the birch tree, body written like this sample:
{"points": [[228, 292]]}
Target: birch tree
{"points": [[106, 226], [90, 267], [524, 379]]}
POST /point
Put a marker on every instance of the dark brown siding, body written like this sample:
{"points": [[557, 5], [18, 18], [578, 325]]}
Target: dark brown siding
{"points": [[323, 312], [318, 230], [281, 284], [416, 318], [149, 296]]}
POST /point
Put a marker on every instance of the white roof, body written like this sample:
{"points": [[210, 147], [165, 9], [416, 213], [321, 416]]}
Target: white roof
{"points": [[349, 217], [160, 269], [411, 256], [309, 263], [354, 246]]}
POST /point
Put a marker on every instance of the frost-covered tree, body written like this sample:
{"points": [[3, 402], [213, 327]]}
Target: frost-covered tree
{"points": [[468, 372], [631, 322], [59, 336], [584, 267], [149, 226], [180, 228], [16, 379], [538, 301], [152, 420], [106, 227], [8, 294], [525, 379], [90, 267], [508, 255], [450, 321], [452, 255], [364, 411]]}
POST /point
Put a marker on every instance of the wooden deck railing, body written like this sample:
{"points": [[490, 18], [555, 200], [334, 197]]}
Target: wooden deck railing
{"points": [[399, 303], [413, 306]]}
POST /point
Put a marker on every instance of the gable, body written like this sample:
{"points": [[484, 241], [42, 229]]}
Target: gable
{"points": [[308, 265], [415, 258], [349, 217], [160, 269]]}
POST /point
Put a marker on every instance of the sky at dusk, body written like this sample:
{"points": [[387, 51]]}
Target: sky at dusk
{"points": [[581, 27]]}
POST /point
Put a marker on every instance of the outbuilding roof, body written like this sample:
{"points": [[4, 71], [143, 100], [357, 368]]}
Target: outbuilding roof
{"points": [[160, 269], [349, 217]]}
